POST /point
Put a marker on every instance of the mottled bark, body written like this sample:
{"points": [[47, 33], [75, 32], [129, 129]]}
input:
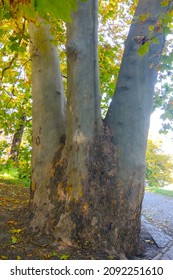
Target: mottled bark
{"points": [[83, 120]]}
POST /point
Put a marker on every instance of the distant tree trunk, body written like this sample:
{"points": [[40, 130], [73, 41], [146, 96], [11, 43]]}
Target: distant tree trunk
{"points": [[89, 189], [16, 141]]}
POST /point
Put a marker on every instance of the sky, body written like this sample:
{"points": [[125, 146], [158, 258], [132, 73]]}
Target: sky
{"points": [[155, 126]]}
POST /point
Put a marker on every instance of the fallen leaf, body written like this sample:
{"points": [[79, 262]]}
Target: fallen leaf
{"points": [[15, 230], [3, 258], [13, 239], [64, 257], [55, 254]]}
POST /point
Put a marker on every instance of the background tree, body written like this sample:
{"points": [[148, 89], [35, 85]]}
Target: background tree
{"points": [[159, 166], [15, 93], [163, 97], [16, 142]]}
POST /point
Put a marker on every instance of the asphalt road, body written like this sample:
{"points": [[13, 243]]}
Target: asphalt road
{"points": [[158, 210]]}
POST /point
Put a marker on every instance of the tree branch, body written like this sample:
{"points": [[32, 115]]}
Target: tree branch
{"points": [[16, 54]]}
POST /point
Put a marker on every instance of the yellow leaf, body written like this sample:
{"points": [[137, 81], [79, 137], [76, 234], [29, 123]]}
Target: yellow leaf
{"points": [[15, 230], [3, 258], [151, 27], [13, 239]]}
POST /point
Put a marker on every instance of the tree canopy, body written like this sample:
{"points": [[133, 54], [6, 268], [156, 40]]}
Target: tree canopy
{"points": [[159, 166]]}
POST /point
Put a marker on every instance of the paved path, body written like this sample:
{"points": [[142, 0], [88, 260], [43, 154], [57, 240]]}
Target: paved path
{"points": [[158, 213], [158, 209]]}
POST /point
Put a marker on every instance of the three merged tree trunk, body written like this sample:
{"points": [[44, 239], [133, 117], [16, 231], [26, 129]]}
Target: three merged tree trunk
{"points": [[89, 189]]}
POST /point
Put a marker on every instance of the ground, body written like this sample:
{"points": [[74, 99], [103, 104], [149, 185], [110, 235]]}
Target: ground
{"points": [[157, 218], [158, 209], [17, 241]]}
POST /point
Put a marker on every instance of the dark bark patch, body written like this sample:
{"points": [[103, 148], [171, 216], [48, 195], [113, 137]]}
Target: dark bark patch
{"points": [[105, 214], [37, 140], [72, 51], [63, 139]]}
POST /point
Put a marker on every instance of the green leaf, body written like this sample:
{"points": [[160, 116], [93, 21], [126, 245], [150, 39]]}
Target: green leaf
{"points": [[56, 8], [165, 3], [143, 50], [27, 10], [155, 40], [22, 49], [14, 47], [166, 18], [54, 254], [64, 257], [1, 32]]}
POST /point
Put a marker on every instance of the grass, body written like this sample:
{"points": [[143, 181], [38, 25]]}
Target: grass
{"points": [[160, 191], [10, 175]]}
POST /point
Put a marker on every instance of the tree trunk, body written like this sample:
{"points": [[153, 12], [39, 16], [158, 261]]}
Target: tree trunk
{"points": [[83, 91], [17, 139], [128, 116], [48, 117], [89, 191]]}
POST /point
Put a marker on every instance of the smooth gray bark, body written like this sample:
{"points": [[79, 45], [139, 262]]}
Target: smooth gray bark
{"points": [[83, 76], [128, 119], [48, 116], [129, 113], [83, 95]]}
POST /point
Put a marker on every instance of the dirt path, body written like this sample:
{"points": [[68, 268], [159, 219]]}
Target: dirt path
{"points": [[158, 210]]}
